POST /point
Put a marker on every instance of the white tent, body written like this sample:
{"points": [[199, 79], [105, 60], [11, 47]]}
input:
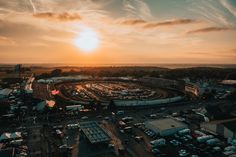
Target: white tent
{"points": [[41, 106], [5, 92], [5, 136], [16, 135]]}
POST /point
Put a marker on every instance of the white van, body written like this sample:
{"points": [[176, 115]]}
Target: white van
{"points": [[158, 142], [120, 112]]}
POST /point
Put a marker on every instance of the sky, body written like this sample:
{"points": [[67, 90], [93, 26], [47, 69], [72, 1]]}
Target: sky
{"points": [[95, 32]]}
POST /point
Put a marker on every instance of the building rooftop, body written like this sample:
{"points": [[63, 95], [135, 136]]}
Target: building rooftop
{"points": [[10, 152], [228, 123], [94, 132], [5, 91], [167, 123]]}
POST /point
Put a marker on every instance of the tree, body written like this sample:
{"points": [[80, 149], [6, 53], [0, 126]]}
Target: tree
{"points": [[90, 105], [112, 107], [56, 72], [4, 107], [98, 106]]}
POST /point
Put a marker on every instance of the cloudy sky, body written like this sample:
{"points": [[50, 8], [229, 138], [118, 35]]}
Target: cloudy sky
{"points": [[125, 31]]}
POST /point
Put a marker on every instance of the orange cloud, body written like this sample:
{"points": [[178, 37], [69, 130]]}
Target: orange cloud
{"points": [[211, 29], [147, 24], [4, 41], [170, 23], [134, 22], [65, 16]]}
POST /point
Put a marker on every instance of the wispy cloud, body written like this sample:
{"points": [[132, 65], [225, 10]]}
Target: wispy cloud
{"points": [[5, 41], [229, 7], [234, 50], [224, 53], [137, 8], [144, 9], [148, 24], [210, 10], [171, 23], [133, 22], [38, 44], [65, 16], [33, 6], [211, 29], [158, 26]]}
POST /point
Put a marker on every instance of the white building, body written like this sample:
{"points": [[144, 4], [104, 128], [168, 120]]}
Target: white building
{"points": [[41, 106], [74, 108], [225, 128], [4, 93], [165, 127], [191, 88], [197, 88], [28, 86]]}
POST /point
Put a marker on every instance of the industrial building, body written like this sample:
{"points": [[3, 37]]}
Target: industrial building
{"points": [[162, 82], [94, 133], [225, 128], [165, 127], [197, 88], [74, 108], [4, 93], [41, 106], [9, 152], [191, 88]]}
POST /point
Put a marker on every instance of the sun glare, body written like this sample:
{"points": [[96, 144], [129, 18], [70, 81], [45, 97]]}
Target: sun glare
{"points": [[87, 40]]}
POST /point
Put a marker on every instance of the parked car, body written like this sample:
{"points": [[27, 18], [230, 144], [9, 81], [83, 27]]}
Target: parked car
{"points": [[73, 126], [156, 151], [158, 142], [214, 141], [184, 132], [175, 142], [120, 112], [204, 138], [183, 152], [138, 138], [84, 117]]}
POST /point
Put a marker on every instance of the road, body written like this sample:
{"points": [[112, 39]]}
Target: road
{"points": [[34, 125]]}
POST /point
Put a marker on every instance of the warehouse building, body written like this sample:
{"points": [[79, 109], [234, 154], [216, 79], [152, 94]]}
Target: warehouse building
{"points": [[94, 133], [4, 93], [8, 152], [225, 128], [191, 88], [165, 127]]}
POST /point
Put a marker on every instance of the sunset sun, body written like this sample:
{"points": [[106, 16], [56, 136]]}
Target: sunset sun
{"points": [[108, 78], [88, 40]]}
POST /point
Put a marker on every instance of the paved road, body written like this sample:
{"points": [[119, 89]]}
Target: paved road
{"points": [[139, 115]]}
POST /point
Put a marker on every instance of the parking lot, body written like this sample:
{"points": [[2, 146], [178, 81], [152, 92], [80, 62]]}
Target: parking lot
{"points": [[138, 139], [58, 133], [115, 90]]}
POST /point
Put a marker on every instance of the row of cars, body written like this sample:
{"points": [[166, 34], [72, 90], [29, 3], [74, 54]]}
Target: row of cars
{"points": [[188, 143], [59, 128], [15, 141], [182, 140], [196, 143], [61, 134]]}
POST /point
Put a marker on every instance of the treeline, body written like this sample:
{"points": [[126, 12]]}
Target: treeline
{"points": [[57, 73], [12, 70], [203, 72], [192, 73]]}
